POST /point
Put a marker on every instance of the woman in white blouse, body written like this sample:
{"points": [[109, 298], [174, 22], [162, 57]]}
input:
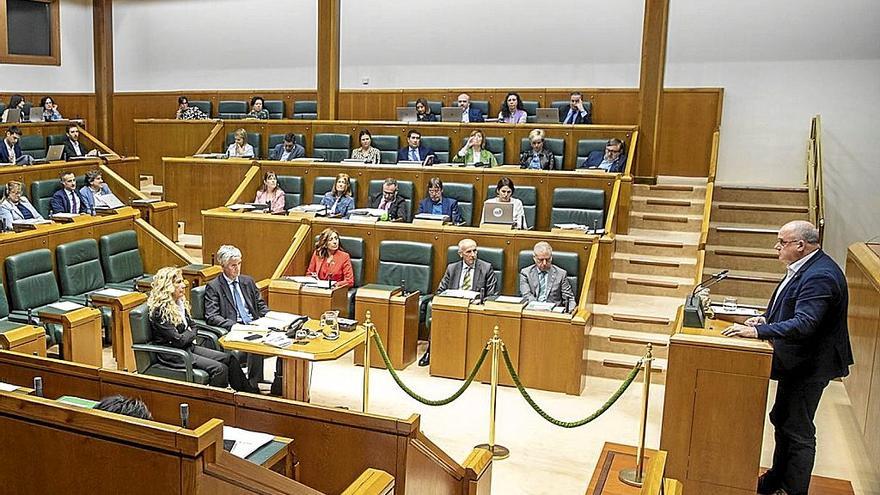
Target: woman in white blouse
{"points": [[504, 194], [240, 148]]}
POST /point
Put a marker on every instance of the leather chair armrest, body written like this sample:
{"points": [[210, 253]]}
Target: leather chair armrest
{"points": [[208, 339], [169, 351]]}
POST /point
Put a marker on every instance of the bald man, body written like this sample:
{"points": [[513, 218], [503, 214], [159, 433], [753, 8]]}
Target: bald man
{"points": [[805, 322]]}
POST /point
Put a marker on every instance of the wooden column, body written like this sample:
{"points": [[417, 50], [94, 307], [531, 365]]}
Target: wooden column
{"points": [[651, 74], [102, 24], [328, 59]]}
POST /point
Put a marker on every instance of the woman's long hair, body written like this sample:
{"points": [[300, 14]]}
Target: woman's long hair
{"points": [[347, 191], [323, 239], [505, 111], [161, 300]]}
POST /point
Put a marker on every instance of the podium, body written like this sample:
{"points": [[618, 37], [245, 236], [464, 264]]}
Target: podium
{"points": [[26, 339], [301, 299], [396, 318], [81, 333], [120, 305], [714, 409]]}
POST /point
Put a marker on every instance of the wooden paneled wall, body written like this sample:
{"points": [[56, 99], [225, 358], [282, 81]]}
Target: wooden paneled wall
{"points": [[71, 105]]}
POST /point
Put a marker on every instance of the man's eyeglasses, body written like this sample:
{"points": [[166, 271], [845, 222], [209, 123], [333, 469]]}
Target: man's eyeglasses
{"points": [[783, 242], [612, 150]]}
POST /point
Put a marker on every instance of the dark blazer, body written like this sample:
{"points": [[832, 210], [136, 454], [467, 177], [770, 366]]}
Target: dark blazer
{"points": [[60, 202], [594, 159], [547, 158], [483, 277], [397, 209], [449, 206], [70, 151], [278, 151], [807, 323], [560, 287], [475, 115], [220, 305], [579, 118], [424, 152], [166, 334], [4, 155]]}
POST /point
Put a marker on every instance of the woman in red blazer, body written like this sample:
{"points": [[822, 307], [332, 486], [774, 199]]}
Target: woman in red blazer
{"points": [[329, 262]]}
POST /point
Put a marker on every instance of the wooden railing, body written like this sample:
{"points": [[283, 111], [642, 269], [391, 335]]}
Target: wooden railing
{"points": [[707, 208], [815, 182]]}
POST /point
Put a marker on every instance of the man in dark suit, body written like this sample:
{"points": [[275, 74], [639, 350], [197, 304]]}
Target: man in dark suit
{"points": [[288, 150], [414, 151], [72, 147], [612, 161], [234, 298], [577, 113], [390, 201], [806, 323], [544, 281], [68, 199], [10, 150], [438, 204], [468, 114]]}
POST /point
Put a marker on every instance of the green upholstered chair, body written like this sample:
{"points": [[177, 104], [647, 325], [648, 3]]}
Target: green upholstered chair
{"points": [[197, 312], [276, 139], [293, 190], [435, 106], [404, 188], [232, 109], [587, 146], [41, 194], [564, 105], [2, 190], [5, 324], [409, 261], [54, 139], [121, 260], [529, 197], [440, 145], [555, 145], [531, 108], [464, 194], [387, 146], [482, 105], [2, 106], [32, 285], [33, 145], [146, 353], [565, 260], [275, 108], [576, 205], [332, 147], [493, 144], [323, 184], [80, 274], [253, 138], [305, 109], [203, 105]]}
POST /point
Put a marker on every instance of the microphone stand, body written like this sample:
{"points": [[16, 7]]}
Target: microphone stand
{"points": [[693, 305]]}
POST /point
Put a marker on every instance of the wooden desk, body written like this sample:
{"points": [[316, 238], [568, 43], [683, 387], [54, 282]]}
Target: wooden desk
{"points": [[396, 318], [26, 339], [297, 358], [81, 333], [121, 306], [713, 413], [293, 297]]}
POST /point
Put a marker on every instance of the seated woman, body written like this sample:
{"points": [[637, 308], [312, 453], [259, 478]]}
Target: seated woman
{"points": [[269, 193], [513, 112], [15, 101], [437, 204], [329, 262], [257, 110], [539, 157], [504, 194], [423, 111], [50, 109], [338, 200], [473, 153], [15, 206], [240, 148], [172, 326], [366, 152], [95, 186]]}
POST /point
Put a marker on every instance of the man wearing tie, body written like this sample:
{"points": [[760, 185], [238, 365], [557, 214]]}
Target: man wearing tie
{"points": [[805, 322], [544, 281], [234, 298], [391, 202], [414, 151], [577, 113], [67, 199]]}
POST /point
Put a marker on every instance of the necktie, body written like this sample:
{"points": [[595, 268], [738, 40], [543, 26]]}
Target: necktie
{"points": [[570, 118], [413, 155], [73, 206], [243, 313], [466, 283], [542, 286]]}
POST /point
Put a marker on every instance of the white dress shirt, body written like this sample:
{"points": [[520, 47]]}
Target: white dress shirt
{"points": [[790, 272]]}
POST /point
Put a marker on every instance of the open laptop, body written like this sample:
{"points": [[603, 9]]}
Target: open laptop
{"points": [[450, 114], [498, 213], [13, 115], [53, 155], [548, 115], [406, 114], [37, 114]]}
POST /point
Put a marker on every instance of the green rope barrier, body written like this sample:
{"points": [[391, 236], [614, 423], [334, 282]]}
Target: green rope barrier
{"points": [[411, 393], [569, 424]]}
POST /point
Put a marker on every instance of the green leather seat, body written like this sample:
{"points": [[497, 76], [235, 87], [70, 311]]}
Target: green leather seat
{"points": [[482, 105], [293, 190], [253, 138], [587, 146], [564, 105], [529, 197], [232, 109], [197, 312], [32, 285], [54, 139], [33, 145], [121, 260], [435, 107], [2, 190], [440, 145], [409, 261], [80, 274], [5, 324], [332, 147], [464, 194], [146, 353], [576, 205], [565, 260], [531, 108], [495, 256], [275, 108], [404, 189], [387, 146], [203, 105], [2, 106], [305, 109], [555, 145], [276, 139], [41, 194], [493, 144], [323, 184]]}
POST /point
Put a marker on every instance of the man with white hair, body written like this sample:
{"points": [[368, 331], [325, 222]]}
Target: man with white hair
{"points": [[545, 282], [234, 298], [805, 321]]}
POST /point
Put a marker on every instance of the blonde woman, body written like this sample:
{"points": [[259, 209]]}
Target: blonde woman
{"points": [[240, 148], [474, 152], [172, 326]]}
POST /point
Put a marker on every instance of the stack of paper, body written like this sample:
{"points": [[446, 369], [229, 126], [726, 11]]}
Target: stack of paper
{"points": [[432, 216], [509, 299], [242, 336], [241, 207], [276, 319], [246, 442], [373, 212], [461, 293], [8, 387], [307, 208], [277, 339], [66, 306], [112, 292], [540, 306]]}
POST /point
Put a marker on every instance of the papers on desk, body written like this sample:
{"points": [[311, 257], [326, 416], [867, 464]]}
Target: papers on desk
{"points": [[461, 294], [509, 299], [112, 292], [241, 207], [540, 306], [277, 339], [431, 216], [29, 224], [373, 212], [276, 319], [577, 226], [109, 200], [314, 159], [246, 442], [66, 306], [8, 387], [738, 311], [216, 156], [318, 209], [144, 201], [302, 279], [64, 217]]}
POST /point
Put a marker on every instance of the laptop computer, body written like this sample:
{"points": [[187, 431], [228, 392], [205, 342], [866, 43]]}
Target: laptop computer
{"points": [[406, 114], [13, 115], [53, 155], [37, 114], [548, 115], [450, 114], [498, 213]]}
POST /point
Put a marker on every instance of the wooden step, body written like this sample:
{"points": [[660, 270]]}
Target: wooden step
{"points": [[762, 214], [649, 205], [673, 191], [633, 322], [672, 222], [617, 366], [743, 258], [653, 265], [761, 194], [734, 234], [628, 342], [652, 285]]}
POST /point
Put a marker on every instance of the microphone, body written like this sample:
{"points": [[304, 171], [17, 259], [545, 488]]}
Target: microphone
{"points": [[595, 225], [712, 280], [482, 295], [184, 415], [693, 306], [403, 287], [38, 386]]}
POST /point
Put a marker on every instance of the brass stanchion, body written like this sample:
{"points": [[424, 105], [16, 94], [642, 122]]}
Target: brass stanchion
{"points": [[498, 452], [368, 326], [634, 476]]}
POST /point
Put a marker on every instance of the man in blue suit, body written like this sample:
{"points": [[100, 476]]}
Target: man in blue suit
{"points": [[414, 151], [468, 114], [438, 204], [68, 199], [10, 150], [805, 322], [613, 160]]}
